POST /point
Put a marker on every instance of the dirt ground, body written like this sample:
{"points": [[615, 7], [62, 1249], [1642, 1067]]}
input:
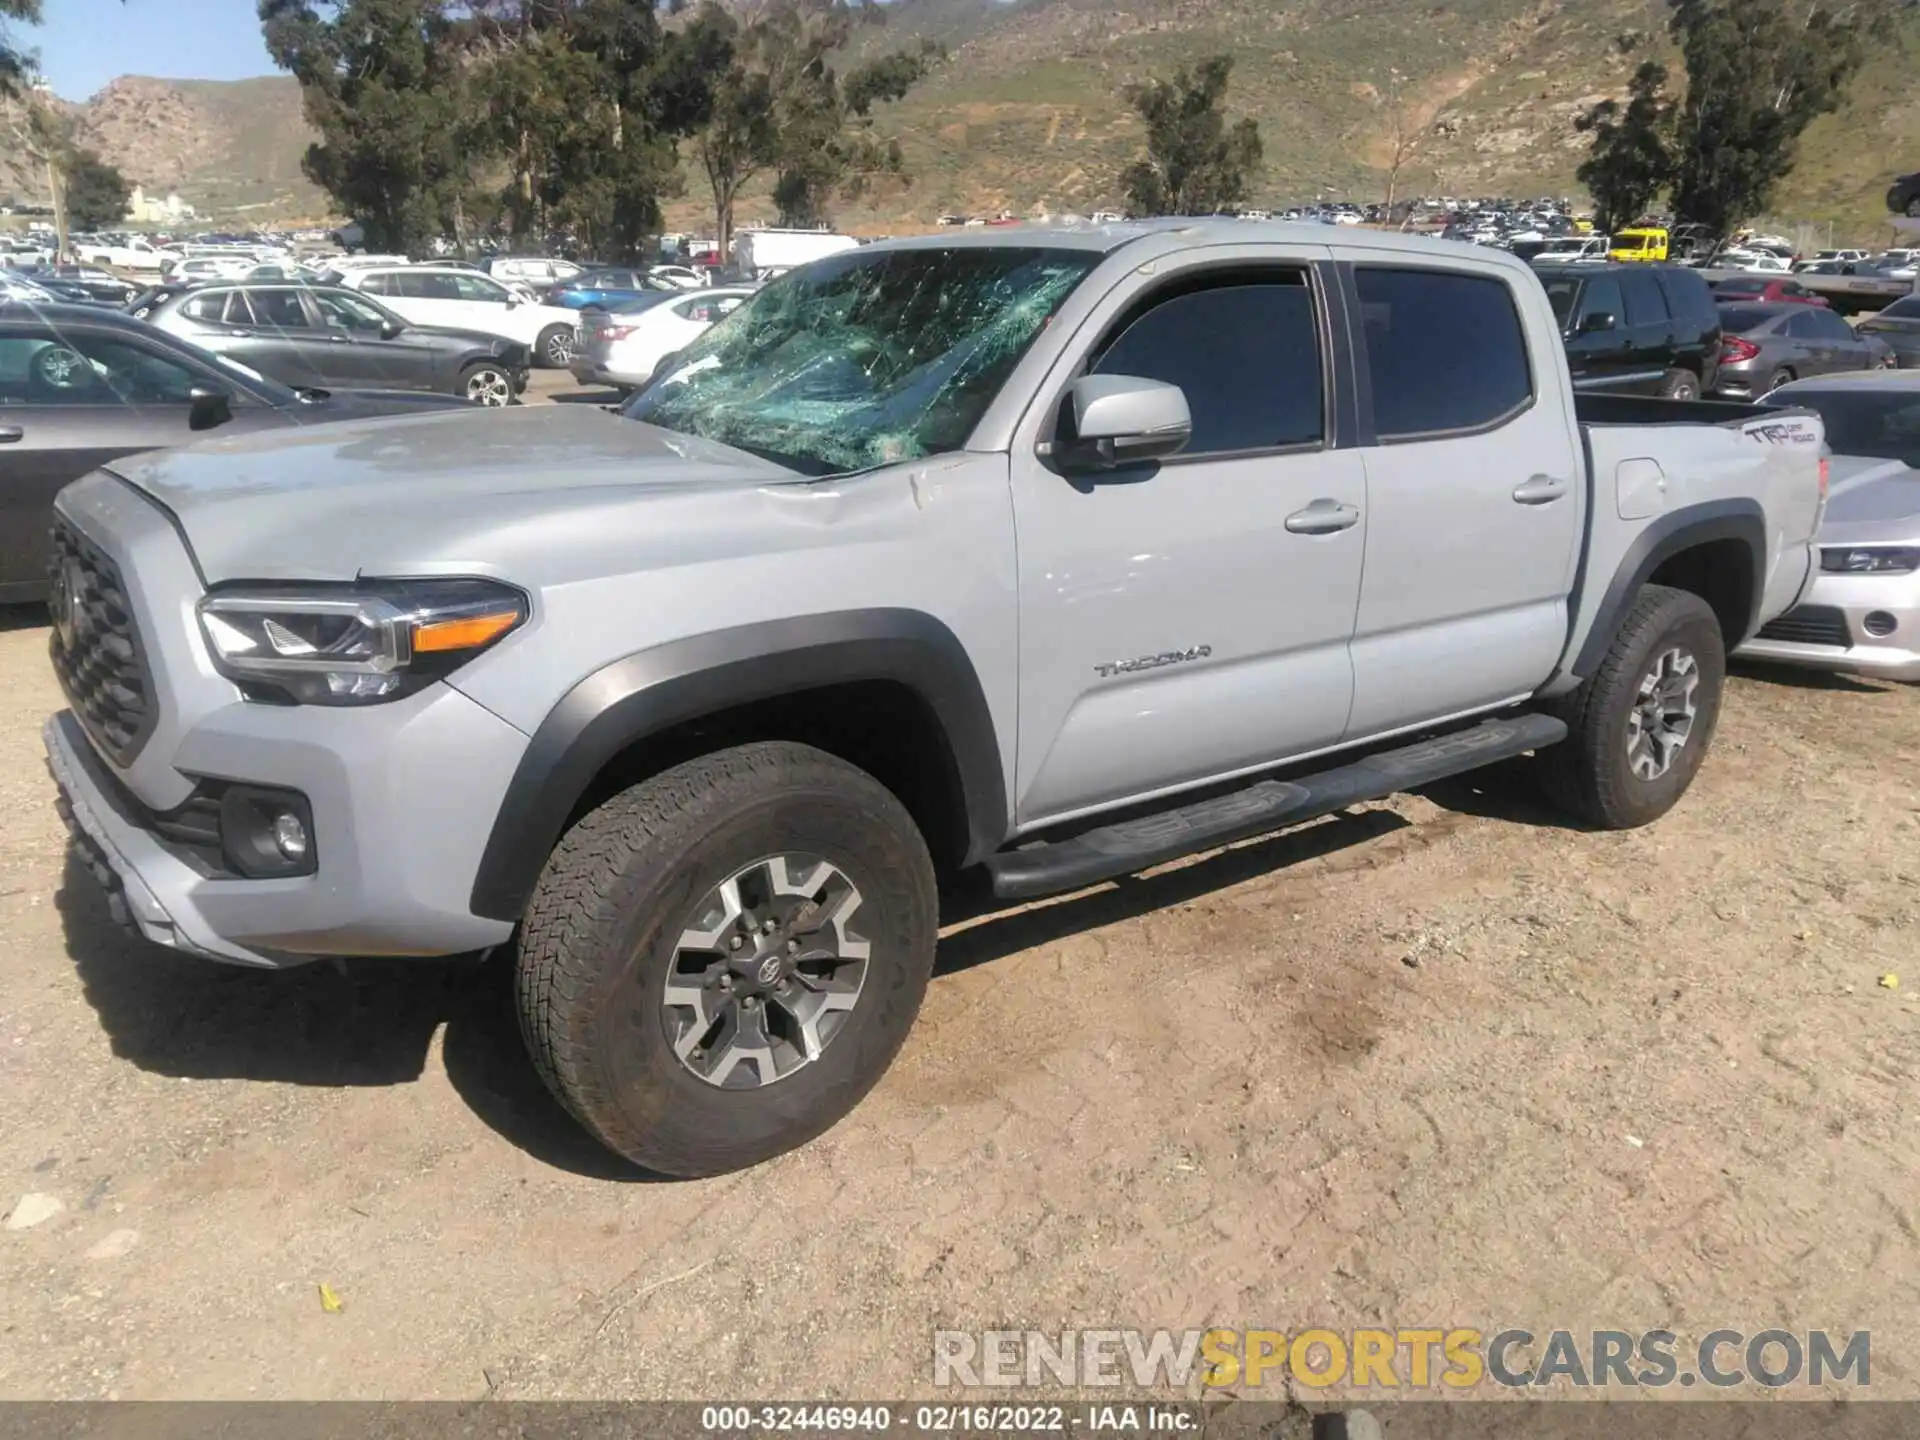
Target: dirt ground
{"points": [[1441, 1061]]}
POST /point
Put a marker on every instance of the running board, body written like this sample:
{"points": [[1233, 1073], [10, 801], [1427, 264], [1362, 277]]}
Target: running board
{"points": [[1151, 840]]}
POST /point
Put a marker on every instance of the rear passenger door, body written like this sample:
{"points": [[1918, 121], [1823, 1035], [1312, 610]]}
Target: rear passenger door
{"points": [[1189, 619], [1650, 334], [1475, 498], [1840, 347]]}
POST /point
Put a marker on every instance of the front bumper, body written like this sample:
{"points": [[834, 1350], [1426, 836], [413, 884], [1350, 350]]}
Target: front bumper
{"points": [[1829, 630], [402, 805]]}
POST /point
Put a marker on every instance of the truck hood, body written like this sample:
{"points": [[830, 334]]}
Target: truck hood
{"points": [[1871, 501], [471, 491]]}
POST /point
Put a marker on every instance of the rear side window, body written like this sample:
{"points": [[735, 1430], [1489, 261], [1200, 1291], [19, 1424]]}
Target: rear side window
{"points": [[1746, 319], [1645, 304], [1415, 321], [1907, 309], [1246, 352], [205, 307], [378, 285], [1690, 297]]}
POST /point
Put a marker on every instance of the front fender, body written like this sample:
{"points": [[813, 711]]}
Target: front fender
{"points": [[653, 690]]}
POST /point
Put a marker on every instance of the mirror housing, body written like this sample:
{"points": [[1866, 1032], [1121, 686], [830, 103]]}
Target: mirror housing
{"points": [[1124, 420], [391, 330], [1598, 321], [208, 407]]}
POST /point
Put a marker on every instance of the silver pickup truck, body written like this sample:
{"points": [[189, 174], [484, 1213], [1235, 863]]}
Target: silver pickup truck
{"points": [[1052, 554]]}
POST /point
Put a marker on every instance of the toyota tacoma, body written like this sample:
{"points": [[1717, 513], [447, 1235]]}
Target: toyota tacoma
{"points": [[1049, 554]]}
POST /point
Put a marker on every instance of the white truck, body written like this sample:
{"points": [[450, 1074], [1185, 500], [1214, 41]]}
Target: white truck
{"points": [[1053, 554], [760, 253], [133, 253]]}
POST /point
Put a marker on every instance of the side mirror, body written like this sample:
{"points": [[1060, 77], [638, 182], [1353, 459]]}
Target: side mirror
{"points": [[513, 299], [391, 329], [1124, 420], [208, 407], [1598, 321]]}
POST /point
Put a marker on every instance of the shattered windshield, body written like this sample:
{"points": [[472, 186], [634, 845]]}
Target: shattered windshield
{"points": [[862, 360]]}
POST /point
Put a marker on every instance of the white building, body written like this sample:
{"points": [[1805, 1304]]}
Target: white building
{"points": [[143, 209]]}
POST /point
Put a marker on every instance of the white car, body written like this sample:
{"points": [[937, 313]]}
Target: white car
{"points": [[467, 300], [531, 270], [624, 347], [207, 267], [681, 277]]}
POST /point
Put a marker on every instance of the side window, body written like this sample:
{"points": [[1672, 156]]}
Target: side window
{"points": [[1804, 326], [1907, 309], [1247, 354], [1689, 297], [1414, 320], [471, 287], [1602, 297], [1645, 304], [237, 310], [280, 308], [98, 370], [205, 307], [1829, 326], [379, 285]]}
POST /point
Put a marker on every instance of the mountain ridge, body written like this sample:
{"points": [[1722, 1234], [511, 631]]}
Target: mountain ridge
{"points": [[1026, 113]]}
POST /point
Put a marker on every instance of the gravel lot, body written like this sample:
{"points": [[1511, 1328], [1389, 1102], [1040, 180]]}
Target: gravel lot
{"points": [[1441, 1061]]}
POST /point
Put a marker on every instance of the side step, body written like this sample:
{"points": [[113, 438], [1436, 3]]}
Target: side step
{"points": [[1151, 840]]}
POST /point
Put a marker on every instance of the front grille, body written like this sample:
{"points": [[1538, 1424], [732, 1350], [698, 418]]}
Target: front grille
{"points": [[96, 646], [1809, 625]]}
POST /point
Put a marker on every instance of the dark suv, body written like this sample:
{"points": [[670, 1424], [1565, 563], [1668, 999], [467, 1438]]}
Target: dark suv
{"points": [[1636, 329]]}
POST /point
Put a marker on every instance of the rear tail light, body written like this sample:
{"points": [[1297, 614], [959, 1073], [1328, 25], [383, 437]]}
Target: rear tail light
{"points": [[1734, 349], [1825, 469], [614, 332]]}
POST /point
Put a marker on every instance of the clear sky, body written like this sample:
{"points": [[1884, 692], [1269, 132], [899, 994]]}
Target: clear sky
{"points": [[85, 43]]}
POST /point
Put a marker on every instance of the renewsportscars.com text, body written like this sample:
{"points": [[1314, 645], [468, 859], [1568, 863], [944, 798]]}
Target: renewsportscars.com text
{"points": [[1409, 1359]]}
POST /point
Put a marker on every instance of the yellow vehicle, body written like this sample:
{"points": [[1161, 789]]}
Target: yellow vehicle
{"points": [[1646, 243]]}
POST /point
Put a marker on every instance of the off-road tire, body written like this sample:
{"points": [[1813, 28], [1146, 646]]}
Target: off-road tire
{"points": [[1680, 385], [1589, 774], [609, 909]]}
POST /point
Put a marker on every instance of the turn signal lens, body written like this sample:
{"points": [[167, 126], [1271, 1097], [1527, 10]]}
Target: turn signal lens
{"points": [[439, 636]]}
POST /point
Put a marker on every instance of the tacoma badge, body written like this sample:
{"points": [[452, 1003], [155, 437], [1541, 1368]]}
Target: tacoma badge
{"points": [[1153, 662]]}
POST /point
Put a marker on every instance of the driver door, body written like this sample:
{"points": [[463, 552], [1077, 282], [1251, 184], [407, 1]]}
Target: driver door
{"points": [[1189, 619]]}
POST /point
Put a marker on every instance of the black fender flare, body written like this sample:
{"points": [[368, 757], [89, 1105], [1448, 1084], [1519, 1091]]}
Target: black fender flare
{"points": [[1736, 519], [653, 690]]}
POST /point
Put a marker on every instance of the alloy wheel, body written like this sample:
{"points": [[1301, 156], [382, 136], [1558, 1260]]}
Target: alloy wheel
{"points": [[489, 387], [766, 973], [1663, 713]]}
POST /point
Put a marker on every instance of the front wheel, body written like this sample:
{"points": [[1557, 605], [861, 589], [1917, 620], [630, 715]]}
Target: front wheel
{"points": [[718, 963], [1913, 208], [486, 384], [1640, 725], [555, 347]]}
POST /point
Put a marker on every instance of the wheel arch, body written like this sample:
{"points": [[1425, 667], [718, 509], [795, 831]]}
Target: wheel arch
{"points": [[1716, 550], [893, 690]]}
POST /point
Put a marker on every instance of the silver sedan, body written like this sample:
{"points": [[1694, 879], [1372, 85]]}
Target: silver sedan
{"points": [[1862, 613]]}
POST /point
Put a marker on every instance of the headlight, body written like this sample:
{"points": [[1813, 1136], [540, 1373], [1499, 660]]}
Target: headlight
{"points": [[353, 644], [1871, 559]]}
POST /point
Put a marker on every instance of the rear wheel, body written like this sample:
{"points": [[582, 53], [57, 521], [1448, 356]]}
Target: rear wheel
{"points": [[555, 346], [485, 383], [718, 963], [1681, 385], [1782, 376], [1639, 726]]}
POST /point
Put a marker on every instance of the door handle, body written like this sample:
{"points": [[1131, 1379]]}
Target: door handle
{"points": [[242, 334], [1323, 517], [10, 433], [1541, 489]]}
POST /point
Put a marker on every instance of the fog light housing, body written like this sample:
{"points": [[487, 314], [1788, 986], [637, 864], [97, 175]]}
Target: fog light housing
{"points": [[266, 834], [1879, 624]]}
